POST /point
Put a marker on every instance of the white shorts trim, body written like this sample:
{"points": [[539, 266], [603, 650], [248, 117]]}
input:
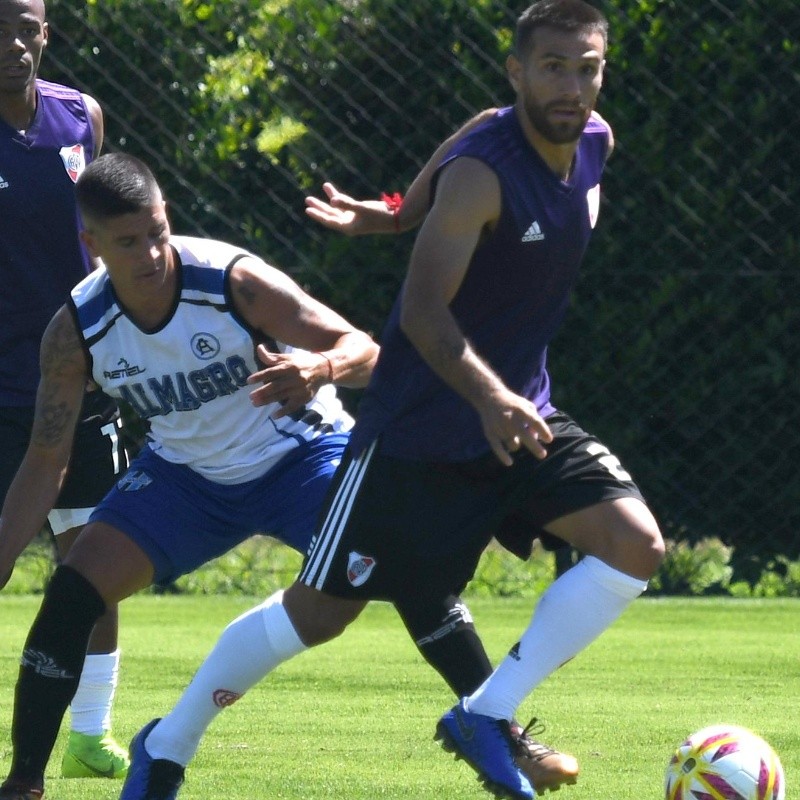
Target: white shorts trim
{"points": [[62, 519], [321, 556]]}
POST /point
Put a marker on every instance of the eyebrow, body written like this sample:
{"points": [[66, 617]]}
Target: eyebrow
{"points": [[561, 57]]}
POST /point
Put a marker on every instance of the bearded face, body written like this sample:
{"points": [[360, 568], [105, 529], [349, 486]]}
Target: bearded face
{"points": [[558, 80]]}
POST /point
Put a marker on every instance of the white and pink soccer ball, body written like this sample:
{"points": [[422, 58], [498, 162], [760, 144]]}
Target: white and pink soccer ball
{"points": [[725, 762]]}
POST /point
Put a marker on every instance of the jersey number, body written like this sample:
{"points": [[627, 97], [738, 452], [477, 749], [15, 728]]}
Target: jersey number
{"points": [[609, 461], [110, 430]]}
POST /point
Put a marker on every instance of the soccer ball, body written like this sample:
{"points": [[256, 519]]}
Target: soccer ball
{"points": [[725, 762]]}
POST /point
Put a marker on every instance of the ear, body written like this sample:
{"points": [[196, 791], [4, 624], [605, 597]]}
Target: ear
{"points": [[514, 71], [45, 34], [90, 243]]}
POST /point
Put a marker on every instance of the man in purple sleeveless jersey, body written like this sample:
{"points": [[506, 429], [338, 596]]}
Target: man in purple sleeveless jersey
{"points": [[457, 435], [48, 133]]}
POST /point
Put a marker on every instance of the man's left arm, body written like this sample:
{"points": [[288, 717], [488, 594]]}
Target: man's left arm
{"points": [[344, 214], [98, 132], [610, 148], [96, 119]]}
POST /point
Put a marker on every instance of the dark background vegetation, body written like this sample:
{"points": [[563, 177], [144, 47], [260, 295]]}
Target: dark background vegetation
{"points": [[683, 343]]}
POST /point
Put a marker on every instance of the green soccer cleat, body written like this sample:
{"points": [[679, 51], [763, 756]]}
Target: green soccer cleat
{"points": [[97, 756]]}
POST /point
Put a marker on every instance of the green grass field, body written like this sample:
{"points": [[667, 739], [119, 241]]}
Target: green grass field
{"points": [[354, 719]]}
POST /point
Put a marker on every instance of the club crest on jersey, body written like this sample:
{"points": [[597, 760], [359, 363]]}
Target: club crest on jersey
{"points": [[359, 568], [205, 346], [74, 159], [134, 480]]}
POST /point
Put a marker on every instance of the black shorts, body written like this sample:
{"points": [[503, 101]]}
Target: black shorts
{"points": [[98, 456], [392, 526]]}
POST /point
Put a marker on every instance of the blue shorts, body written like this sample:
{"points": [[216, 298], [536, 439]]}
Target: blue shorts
{"points": [[182, 520]]}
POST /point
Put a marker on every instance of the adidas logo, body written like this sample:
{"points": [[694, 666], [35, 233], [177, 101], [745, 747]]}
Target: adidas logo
{"points": [[3, 183], [534, 233]]}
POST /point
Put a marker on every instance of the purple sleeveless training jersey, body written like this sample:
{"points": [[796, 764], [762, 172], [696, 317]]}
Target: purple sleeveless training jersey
{"points": [[41, 258], [509, 306]]}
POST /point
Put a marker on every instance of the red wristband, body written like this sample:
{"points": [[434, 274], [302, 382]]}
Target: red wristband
{"points": [[394, 202]]}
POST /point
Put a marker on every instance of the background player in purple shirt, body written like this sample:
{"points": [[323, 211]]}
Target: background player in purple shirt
{"points": [[48, 133], [457, 434]]}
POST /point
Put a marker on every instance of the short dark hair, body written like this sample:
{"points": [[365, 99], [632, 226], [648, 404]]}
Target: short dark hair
{"points": [[564, 15], [116, 184]]}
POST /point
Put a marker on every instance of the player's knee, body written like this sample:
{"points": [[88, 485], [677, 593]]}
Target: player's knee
{"points": [[429, 619], [645, 545], [653, 550], [322, 628], [641, 530], [70, 608], [318, 617], [631, 541]]}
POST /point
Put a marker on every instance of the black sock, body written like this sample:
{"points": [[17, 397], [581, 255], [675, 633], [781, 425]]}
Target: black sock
{"points": [[50, 669], [446, 637]]}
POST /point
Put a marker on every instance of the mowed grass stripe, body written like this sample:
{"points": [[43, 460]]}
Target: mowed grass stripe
{"points": [[354, 719]]}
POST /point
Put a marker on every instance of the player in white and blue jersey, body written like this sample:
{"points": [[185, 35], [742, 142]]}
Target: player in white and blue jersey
{"points": [[232, 365]]}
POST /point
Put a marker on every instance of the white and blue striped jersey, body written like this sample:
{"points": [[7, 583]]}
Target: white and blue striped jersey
{"points": [[188, 378]]}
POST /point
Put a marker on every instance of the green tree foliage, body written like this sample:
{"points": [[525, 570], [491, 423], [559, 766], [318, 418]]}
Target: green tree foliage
{"points": [[340, 91], [251, 105], [681, 347]]}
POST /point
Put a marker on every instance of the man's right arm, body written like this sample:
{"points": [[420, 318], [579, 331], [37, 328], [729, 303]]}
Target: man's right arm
{"points": [[467, 206], [330, 350], [41, 473]]}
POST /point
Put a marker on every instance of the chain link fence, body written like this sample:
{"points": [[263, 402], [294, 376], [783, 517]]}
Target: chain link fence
{"points": [[682, 347]]}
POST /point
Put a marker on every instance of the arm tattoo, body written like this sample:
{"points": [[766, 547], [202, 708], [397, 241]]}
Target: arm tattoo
{"points": [[61, 349], [62, 365], [52, 423], [247, 293], [446, 351]]}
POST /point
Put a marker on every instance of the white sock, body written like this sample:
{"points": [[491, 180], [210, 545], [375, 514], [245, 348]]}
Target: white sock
{"points": [[91, 707], [570, 615], [249, 648]]}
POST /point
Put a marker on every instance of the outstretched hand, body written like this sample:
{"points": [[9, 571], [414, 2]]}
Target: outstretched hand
{"points": [[348, 216], [290, 379]]}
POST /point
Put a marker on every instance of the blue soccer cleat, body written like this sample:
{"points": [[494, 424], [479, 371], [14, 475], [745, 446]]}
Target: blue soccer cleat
{"points": [[150, 778], [487, 745]]}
